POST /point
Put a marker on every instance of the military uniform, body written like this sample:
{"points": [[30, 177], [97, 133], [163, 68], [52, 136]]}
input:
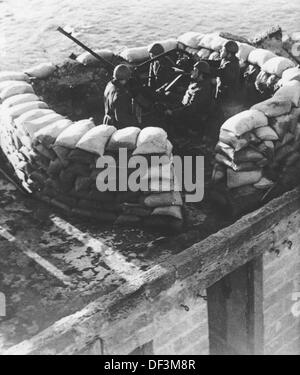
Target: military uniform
{"points": [[118, 105], [229, 74], [196, 105]]}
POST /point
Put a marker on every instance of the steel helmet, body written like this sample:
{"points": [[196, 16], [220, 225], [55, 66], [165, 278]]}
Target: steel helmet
{"points": [[202, 67], [231, 46], [122, 72], [156, 49]]}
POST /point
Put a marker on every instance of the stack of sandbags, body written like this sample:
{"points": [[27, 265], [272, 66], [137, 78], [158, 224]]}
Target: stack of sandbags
{"points": [[244, 149], [258, 150], [65, 164]]}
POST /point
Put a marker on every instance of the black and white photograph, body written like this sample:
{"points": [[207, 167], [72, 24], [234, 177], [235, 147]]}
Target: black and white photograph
{"points": [[149, 180]]}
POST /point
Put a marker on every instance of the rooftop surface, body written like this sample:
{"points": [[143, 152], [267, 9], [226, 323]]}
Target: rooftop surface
{"points": [[52, 265]]}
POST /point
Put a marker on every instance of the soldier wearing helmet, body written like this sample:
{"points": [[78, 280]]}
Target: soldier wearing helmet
{"points": [[161, 70], [196, 102], [118, 100], [229, 71]]}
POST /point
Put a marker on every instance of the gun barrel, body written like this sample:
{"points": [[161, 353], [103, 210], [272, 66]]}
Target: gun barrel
{"points": [[100, 58]]}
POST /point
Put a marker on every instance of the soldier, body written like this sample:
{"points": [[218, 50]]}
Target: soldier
{"points": [[229, 71], [118, 100], [197, 101], [161, 70]]}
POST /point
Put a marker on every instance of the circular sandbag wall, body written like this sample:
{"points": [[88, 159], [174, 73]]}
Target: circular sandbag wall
{"points": [[60, 167]]}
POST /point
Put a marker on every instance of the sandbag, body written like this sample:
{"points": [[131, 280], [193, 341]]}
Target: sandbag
{"points": [[71, 136], [42, 70], [124, 138], [87, 59], [19, 99], [19, 109], [14, 88], [135, 55], [95, 139], [291, 74], [163, 199], [259, 56], [266, 133], [212, 41], [226, 149], [273, 107], [173, 211], [204, 53], [245, 121], [152, 140], [33, 126], [32, 115], [13, 76], [148, 150], [157, 172], [191, 39], [237, 179], [232, 140], [248, 154], [48, 134], [222, 160], [244, 51], [289, 91], [277, 65], [167, 44]]}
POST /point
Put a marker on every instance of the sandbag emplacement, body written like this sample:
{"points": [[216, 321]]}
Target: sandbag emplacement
{"points": [[64, 163], [258, 153]]}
